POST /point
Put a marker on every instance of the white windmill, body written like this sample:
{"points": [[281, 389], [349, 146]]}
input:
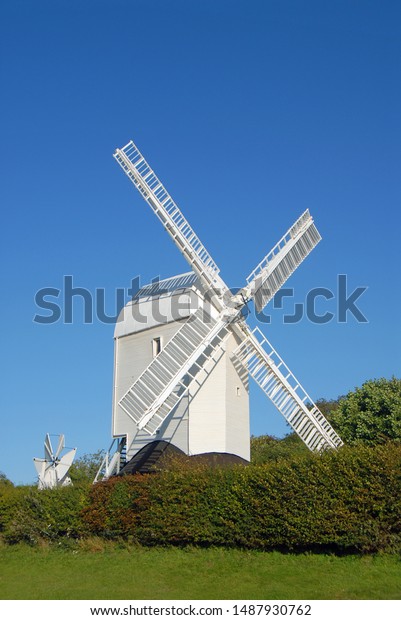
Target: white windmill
{"points": [[52, 470], [182, 380]]}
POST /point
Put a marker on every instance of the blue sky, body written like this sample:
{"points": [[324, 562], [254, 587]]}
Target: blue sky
{"points": [[250, 112]]}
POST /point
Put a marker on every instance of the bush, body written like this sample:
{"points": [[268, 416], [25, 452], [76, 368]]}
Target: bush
{"points": [[84, 469], [371, 414], [345, 501], [10, 498], [265, 448], [29, 515], [4, 481]]}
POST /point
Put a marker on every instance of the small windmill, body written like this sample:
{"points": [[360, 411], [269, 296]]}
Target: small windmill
{"points": [[179, 368], [52, 470]]}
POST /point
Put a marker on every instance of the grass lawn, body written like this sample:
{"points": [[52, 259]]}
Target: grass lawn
{"points": [[137, 573]]}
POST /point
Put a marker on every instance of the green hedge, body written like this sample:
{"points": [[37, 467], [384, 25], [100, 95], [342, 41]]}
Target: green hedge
{"points": [[344, 501], [31, 516]]}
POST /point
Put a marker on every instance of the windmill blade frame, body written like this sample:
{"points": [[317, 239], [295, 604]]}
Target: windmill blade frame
{"points": [[155, 194], [278, 265], [267, 368], [162, 384]]}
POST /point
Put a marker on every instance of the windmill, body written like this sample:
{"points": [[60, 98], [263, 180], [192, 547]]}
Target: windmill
{"points": [[147, 397], [52, 470]]}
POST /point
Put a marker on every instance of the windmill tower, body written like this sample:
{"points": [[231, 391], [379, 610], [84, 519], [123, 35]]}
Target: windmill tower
{"points": [[182, 379]]}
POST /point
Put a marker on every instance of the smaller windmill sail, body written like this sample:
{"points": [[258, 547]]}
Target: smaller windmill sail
{"points": [[277, 266], [256, 355], [163, 383], [49, 456], [64, 465], [40, 466]]}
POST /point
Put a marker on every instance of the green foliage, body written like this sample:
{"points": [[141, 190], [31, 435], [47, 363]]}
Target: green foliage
{"points": [[10, 498], [4, 480], [84, 469], [265, 449], [345, 501], [31, 516], [370, 414], [329, 407]]}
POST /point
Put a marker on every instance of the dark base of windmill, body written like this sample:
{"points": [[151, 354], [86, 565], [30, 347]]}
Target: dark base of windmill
{"points": [[157, 455]]}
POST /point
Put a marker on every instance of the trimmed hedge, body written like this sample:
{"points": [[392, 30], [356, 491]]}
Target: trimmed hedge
{"points": [[31, 516], [345, 501]]}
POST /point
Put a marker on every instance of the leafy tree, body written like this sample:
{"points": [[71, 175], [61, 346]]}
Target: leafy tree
{"points": [[370, 414], [329, 407], [266, 448], [4, 480], [85, 468]]}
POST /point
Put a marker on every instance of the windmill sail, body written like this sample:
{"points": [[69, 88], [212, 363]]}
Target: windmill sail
{"points": [[40, 466], [153, 191], [60, 446], [261, 360], [64, 465], [162, 384], [48, 448], [52, 470], [277, 266]]}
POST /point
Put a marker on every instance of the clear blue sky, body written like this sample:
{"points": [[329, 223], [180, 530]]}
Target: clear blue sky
{"points": [[250, 111]]}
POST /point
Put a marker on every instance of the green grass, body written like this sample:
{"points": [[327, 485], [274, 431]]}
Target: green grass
{"points": [[137, 573]]}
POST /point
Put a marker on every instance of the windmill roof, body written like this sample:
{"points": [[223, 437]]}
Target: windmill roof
{"points": [[169, 285], [157, 306]]}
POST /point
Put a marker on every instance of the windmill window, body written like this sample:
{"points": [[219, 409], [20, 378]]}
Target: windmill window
{"points": [[238, 391], [156, 346]]}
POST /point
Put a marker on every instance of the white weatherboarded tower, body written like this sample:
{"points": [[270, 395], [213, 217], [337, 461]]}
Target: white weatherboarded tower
{"points": [[184, 352], [213, 415]]}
